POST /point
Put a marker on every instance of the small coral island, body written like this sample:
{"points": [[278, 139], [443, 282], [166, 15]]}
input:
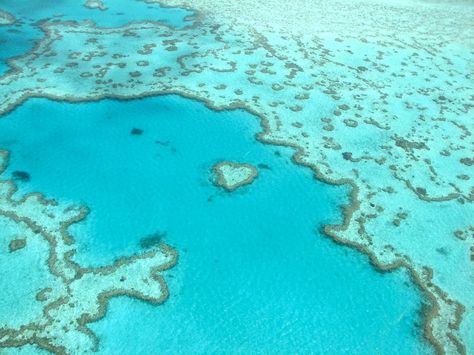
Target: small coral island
{"points": [[6, 18], [231, 176], [95, 4]]}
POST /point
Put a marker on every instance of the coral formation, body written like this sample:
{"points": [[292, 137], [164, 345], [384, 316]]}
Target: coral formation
{"points": [[6, 18], [368, 94], [231, 175], [95, 4], [68, 296]]}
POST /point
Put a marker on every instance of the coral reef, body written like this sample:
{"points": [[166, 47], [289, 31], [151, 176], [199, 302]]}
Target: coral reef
{"points": [[368, 94], [231, 175], [95, 4], [6, 18], [35, 240]]}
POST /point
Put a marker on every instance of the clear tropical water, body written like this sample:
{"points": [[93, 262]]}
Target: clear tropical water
{"points": [[20, 37], [254, 274]]}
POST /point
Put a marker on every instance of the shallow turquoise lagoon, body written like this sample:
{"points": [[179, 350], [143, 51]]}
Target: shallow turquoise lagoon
{"points": [[254, 274], [20, 37]]}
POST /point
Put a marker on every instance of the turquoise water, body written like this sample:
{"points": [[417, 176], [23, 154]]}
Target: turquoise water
{"points": [[20, 37], [254, 274]]}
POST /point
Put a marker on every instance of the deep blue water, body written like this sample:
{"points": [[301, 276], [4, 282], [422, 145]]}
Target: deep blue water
{"points": [[254, 274], [20, 37]]}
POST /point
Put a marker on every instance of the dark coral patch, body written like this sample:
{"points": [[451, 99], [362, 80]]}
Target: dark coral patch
{"points": [[21, 176], [16, 244], [136, 131], [152, 240]]}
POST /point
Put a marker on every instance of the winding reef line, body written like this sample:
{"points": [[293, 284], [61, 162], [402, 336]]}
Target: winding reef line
{"points": [[315, 95]]}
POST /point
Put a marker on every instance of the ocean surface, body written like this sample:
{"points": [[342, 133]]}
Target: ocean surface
{"points": [[21, 37], [254, 273]]}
